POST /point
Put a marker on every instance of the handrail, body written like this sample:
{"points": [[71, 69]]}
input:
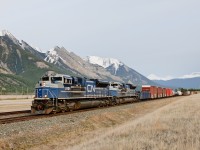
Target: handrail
{"points": [[52, 94]]}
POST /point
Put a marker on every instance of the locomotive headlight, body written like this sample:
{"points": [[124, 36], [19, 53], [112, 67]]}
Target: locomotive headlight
{"points": [[45, 96], [43, 84], [67, 88]]}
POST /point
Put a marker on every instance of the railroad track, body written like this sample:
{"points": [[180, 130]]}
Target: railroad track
{"points": [[32, 117], [14, 112]]}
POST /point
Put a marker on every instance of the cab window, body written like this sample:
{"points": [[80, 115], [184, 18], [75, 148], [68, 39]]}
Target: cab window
{"points": [[45, 78], [53, 79], [67, 81]]}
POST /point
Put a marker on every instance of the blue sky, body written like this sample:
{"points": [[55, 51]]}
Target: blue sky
{"points": [[158, 36]]}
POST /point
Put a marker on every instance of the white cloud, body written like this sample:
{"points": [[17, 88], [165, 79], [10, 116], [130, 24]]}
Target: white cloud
{"points": [[155, 77], [192, 75]]}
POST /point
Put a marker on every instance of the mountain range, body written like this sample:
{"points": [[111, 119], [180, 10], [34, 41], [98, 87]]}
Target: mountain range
{"points": [[191, 75], [186, 81], [21, 65]]}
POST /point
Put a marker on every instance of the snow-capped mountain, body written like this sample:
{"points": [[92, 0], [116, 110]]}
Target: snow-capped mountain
{"points": [[192, 75], [20, 58], [186, 81], [105, 62], [155, 77], [7, 33], [95, 67], [52, 56], [70, 61], [118, 68]]}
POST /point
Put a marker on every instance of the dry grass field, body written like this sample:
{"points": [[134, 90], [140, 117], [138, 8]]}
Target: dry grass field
{"points": [[175, 126], [171, 123]]}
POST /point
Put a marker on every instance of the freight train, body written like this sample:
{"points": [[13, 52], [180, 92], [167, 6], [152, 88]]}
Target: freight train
{"points": [[60, 93]]}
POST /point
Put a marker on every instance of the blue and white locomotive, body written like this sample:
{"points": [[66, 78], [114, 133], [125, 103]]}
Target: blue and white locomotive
{"points": [[60, 93]]}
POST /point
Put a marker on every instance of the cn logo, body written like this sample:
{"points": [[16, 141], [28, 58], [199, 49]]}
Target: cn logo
{"points": [[90, 88]]}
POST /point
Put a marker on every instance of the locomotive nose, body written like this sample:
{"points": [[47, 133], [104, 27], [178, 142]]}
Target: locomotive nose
{"points": [[42, 84]]}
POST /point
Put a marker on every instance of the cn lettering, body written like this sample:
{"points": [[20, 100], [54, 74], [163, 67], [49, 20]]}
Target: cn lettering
{"points": [[90, 88]]}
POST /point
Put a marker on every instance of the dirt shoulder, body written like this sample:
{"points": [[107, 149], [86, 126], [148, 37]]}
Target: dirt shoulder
{"points": [[15, 97], [15, 105], [81, 130]]}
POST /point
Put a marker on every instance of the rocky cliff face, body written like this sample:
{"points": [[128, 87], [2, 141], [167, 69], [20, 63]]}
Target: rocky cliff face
{"points": [[95, 67], [68, 60], [17, 58], [20, 64]]}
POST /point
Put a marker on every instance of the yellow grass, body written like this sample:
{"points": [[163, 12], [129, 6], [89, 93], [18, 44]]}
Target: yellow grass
{"points": [[175, 126]]}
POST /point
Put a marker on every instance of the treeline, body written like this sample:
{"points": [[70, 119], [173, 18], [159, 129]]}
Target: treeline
{"points": [[191, 89]]}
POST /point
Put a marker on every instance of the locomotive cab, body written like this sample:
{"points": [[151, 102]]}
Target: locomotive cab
{"points": [[115, 88], [130, 90], [48, 90], [49, 86]]}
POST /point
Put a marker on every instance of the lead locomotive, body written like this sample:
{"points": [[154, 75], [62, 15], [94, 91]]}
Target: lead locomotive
{"points": [[60, 93]]}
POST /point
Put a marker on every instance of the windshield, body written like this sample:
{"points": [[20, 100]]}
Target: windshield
{"points": [[45, 78], [53, 79]]}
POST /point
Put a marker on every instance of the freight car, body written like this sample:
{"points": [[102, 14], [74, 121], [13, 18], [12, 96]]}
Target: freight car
{"points": [[60, 93], [154, 92]]}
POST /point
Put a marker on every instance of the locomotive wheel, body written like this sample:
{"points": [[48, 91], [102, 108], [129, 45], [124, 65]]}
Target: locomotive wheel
{"points": [[67, 108]]}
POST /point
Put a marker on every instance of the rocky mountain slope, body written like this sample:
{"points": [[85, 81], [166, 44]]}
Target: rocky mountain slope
{"points": [[187, 81], [22, 65], [95, 67], [70, 61], [119, 69]]}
